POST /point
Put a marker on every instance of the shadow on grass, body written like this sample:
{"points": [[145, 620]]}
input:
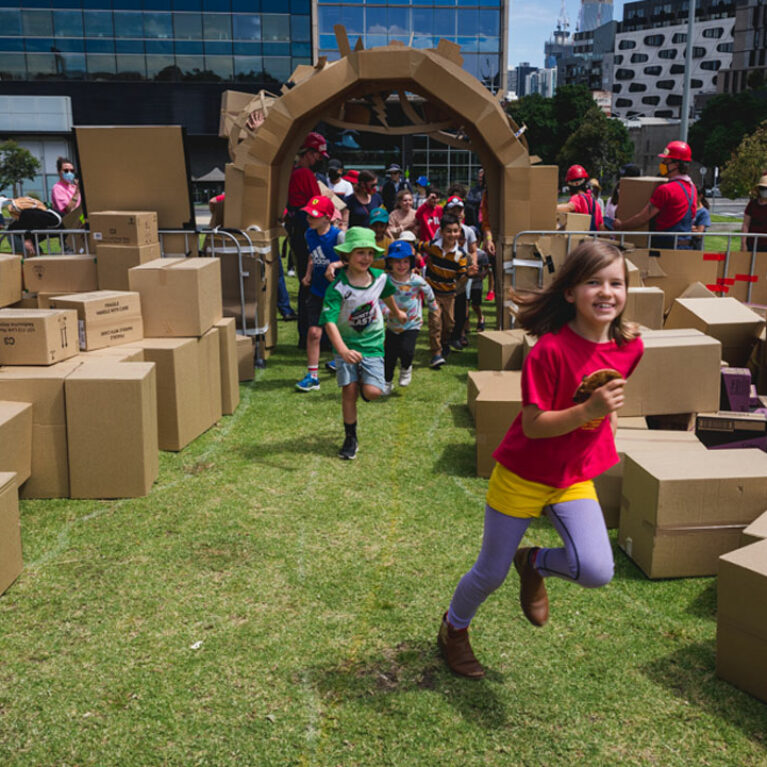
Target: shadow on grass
{"points": [[689, 673], [461, 415], [268, 453], [457, 460], [704, 605], [411, 666]]}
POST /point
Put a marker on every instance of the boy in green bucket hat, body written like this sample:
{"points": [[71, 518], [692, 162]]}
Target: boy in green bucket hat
{"points": [[354, 323]]}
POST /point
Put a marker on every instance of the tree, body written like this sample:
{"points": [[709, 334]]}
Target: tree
{"points": [[748, 163], [16, 165]]}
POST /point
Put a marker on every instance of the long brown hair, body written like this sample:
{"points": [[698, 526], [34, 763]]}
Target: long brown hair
{"points": [[547, 310]]}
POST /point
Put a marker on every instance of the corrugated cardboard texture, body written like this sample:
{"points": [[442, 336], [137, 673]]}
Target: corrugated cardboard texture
{"points": [[497, 404], [230, 387], [634, 194], [10, 279], [114, 261], [645, 306], [500, 349], [37, 336], [113, 227], [741, 659], [742, 277], [60, 274], [112, 429], [246, 369], [756, 531], [11, 563], [16, 439]]}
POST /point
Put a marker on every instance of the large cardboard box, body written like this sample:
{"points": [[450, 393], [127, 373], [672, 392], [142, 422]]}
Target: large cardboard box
{"points": [[756, 531], [114, 261], [113, 227], [741, 620], [629, 441], [10, 279], [634, 194], [681, 510], [104, 317], [112, 429], [246, 368], [180, 297], [230, 386], [645, 306], [728, 430], [124, 353], [674, 271], [725, 319], [672, 359], [497, 404], [10, 531], [43, 387], [500, 349], [37, 336], [188, 386], [16, 439], [60, 274]]}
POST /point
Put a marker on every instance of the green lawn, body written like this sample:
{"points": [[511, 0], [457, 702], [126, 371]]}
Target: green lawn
{"points": [[269, 604]]}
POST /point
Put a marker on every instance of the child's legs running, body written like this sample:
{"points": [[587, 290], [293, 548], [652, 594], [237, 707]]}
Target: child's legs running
{"points": [[407, 348], [349, 395], [313, 336], [587, 557], [435, 329], [392, 344], [500, 540]]}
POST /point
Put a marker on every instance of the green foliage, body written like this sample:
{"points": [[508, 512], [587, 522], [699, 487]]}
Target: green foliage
{"points": [[726, 119], [16, 165], [747, 164]]}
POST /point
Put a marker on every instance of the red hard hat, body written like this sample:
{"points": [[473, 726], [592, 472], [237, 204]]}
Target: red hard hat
{"points": [[677, 150], [575, 172], [316, 141]]}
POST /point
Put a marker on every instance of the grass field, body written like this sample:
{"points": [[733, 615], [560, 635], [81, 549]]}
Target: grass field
{"points": [[269, 604]]}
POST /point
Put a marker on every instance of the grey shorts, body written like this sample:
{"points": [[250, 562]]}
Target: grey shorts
{"points": [[370, 371]]}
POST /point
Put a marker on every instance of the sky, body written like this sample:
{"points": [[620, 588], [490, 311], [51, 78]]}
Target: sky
{"points": [[531, 23]]}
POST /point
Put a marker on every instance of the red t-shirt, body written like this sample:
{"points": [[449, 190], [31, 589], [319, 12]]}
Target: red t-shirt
{"points": [[586, 203], [303, 186], [757, 225], [551, 374], [428, 221], [672, 204]]}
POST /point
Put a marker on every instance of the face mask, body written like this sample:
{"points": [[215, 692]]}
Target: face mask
{"points": [[763, 193], [663, 169], [68, 176]]}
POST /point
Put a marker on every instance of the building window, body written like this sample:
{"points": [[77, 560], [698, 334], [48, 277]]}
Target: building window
{"points": [[712, 66], [653, 71], [37, 23], [622, 103], [665, 85], [619, 58], [637, 88], [676, 69], [654, 41], [651, 100], [129, 24], [67, 23], [625, 45], [679, 37], [715, 32], [724, 47], [673, 100], [664, 113], [624, 74], [187, 26], [617, 87], [667, 53], [217, 26], [698, 52], [638, 58]]}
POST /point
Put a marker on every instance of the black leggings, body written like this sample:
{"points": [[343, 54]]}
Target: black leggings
{"points": [[398, 346]]}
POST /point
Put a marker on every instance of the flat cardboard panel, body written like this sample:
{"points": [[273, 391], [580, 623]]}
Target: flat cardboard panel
{"points": [[742, 275], [742, 589], [497, 404], [741, 659], [11, 563], [16, 439], [112, 429], [500, 349], [634, 194], [756, 531], [136, 168], [230, 388], [246, 369], [114, 261], [123, 227], [37, 336], [10, 279], [645, 306], [60, 274]]}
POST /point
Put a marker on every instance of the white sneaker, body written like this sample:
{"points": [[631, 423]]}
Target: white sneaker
{"points": [[387, 389], [405, 374]]}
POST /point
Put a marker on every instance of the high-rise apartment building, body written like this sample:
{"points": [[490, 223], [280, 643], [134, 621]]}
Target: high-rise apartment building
{"points": [[594, 13], [749, 57]]}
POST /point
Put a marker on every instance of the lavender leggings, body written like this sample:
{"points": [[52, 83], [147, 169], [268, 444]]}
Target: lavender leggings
{"points": [[585, 559]]}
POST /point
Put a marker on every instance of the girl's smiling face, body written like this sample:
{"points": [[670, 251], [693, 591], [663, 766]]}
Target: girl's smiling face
{"points": [[599, 299]]}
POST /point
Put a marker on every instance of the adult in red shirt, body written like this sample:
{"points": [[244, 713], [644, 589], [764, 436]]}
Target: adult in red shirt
{"points": [[581, 199], [755, 218], [672, 205], [428, 216]]}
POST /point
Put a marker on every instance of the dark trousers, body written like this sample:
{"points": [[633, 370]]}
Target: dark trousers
{"points": [[296, 230], [398, 347], [461, 311]]}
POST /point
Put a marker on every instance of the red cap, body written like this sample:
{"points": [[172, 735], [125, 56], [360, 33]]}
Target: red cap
{"points": [[317, 142], [575, 172], [320, 206], [352, 176], [677, 150], [454, 202]]}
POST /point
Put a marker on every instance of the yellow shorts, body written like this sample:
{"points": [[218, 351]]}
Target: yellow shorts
{"points": [[517, 497]]}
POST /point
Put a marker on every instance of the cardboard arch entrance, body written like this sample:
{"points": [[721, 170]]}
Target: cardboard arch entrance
{"points": [[257, 179]]}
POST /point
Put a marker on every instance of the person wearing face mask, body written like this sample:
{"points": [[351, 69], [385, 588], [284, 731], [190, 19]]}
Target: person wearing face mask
{"points": [[65, 195], [755, 218], [673, 205]]}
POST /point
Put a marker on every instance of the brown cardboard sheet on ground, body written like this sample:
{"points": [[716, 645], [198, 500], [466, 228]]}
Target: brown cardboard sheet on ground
{"points": [[114, 261], [726, 319], [645, 306], [500, 349], [230, 387], [137, 168], [497, 404], [112, 429], [37, 336], [10, 279], [10, 531], [16, 439], [756, 531], [60, 274], [246, 369]]}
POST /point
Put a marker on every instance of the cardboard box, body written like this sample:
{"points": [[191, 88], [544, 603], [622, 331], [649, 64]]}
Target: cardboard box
{"points": [[731, 429], [44, 299], [681, 510], [476, 379], [113, 227], [697, 290], [741, 626], [179, 297], [104, 317], [43, 387], [230, 386], [188, 386], [635, 277], [123, 353], [736, 390], [114, 261], [246, 369], [16, 439], [634, 194], [672, 359], [725, 319], [10, 531], [28, 301], [60, 274], [112, 429], [500, 349], [756, 531], [673, 271], [10, 279], [630, 441], [645, 306], [37, 336], [497, 404]]}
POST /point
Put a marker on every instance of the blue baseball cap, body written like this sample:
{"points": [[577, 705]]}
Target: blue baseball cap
{"points": [[422, 181], [400, 249], [379, 215]]}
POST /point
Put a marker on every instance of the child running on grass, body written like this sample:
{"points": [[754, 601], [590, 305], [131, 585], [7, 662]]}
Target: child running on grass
{"points": [[572, 388], [354, 323], [399, 345]]}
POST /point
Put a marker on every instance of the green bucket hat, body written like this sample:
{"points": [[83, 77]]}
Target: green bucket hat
{"points": [[358, 237]]}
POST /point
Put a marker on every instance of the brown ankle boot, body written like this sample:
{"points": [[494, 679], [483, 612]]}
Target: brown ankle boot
{"points": [[532, 589], [457, 652]]}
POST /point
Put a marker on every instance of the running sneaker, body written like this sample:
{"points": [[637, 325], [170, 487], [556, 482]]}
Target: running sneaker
{"points": [[456, 346], [348, 451], [387, 389], [405, 375], [331, 366], [308, 383], [490, 296], [480, 326], [437, 361]]}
